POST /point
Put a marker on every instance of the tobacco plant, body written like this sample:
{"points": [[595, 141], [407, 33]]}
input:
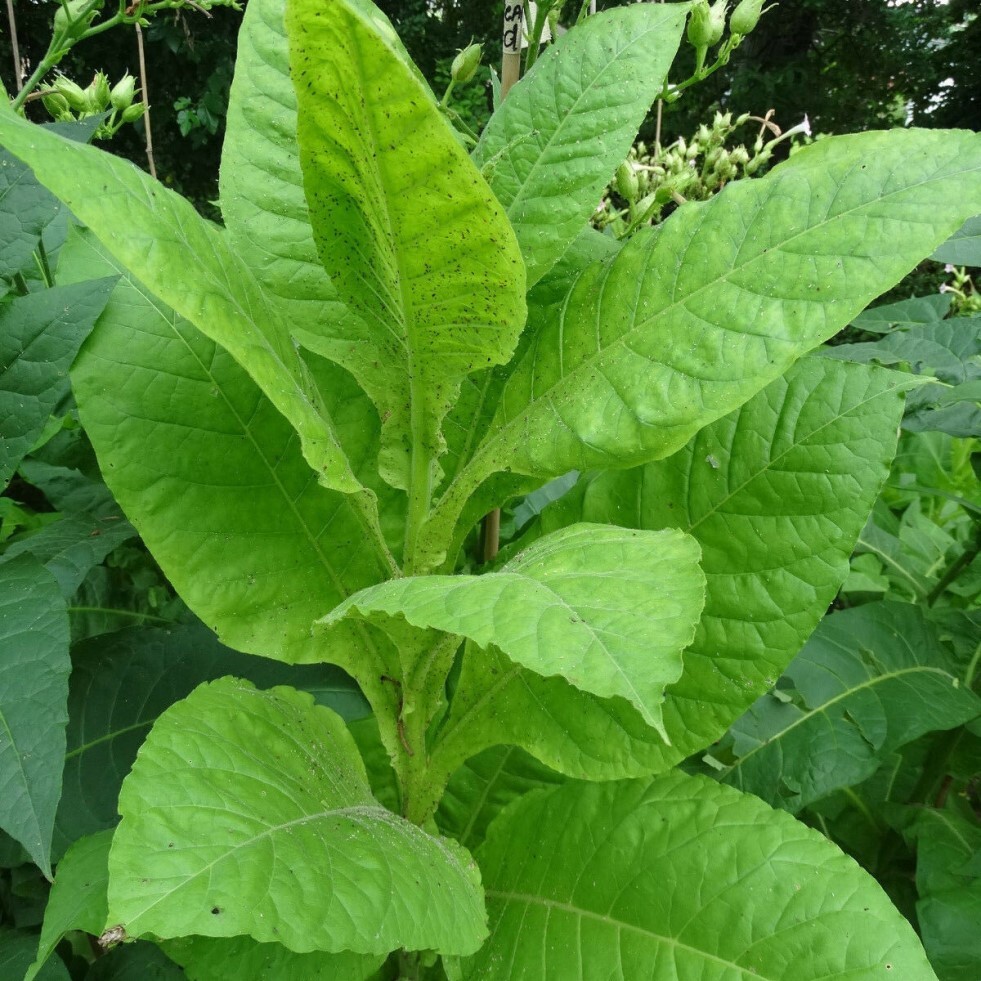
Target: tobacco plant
{"points": [[306, 412]]}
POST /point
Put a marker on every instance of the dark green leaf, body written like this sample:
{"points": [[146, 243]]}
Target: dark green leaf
{"points": [[33, 691], [870, 680], [17, 948], [40, 334], [963, 248], [25, 209]]}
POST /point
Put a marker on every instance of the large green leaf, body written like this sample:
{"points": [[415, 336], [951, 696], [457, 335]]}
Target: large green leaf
{"points": [[249, 813], [191, 265], [135, 962], [120, 684], [776, 495], [692, 318], [553, 144], [679, 878], [16, 953], [869, 680], [608, 609], [40, 334], [914, 312], [213, 478], [34, 672], [78, 896], [409, 232]]}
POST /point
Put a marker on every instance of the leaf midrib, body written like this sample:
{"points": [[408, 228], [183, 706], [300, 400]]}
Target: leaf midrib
{"points": [[621, 925]]}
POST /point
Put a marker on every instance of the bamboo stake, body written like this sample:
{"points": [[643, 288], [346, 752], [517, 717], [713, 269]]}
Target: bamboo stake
{"points": [[18, 68]]}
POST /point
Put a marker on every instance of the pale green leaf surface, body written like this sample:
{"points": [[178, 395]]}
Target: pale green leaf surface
{"points": [[775, 494], [34, 672], [213, 478], [78, 896], [870, 680], [679, 879], [409, 232], [484, 786], [608, 609], [554, 143], [249, 813], [191, 265], [242, 959], [120, 684], [40, 335], [691, 319]]}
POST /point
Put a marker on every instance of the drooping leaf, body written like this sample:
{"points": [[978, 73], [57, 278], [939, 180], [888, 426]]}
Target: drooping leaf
{"points": [[212, 476], [870, 680], [608, 609], [679, 878], [776, 495], [191, 265], [119, 686], [963, 248], [78, 896], [556, 140], [408, 230], [484, 786], [34, 672], [690, 319], [240, 958], [249, 813], [40, 335]]}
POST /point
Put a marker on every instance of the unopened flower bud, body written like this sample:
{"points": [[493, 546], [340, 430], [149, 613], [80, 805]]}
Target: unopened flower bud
{"points": [[97, 94], [56, 104], [466, 63], [72, 92], [121, 96], [627, 184], [717, 21], [700, 24], [746, 16], [134, 112]]}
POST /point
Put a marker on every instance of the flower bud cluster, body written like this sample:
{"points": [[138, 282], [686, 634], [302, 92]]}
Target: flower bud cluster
{"points": [[651, 178], [66, 101]]}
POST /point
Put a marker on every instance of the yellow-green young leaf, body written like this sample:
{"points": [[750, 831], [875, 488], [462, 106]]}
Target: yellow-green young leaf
{"points": [[249, 813], [678, 878], [192, 265], [869, 681], [406, 227], [608, 609], [554, 143], [776, 495], [34, 669], [690, 319]]}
